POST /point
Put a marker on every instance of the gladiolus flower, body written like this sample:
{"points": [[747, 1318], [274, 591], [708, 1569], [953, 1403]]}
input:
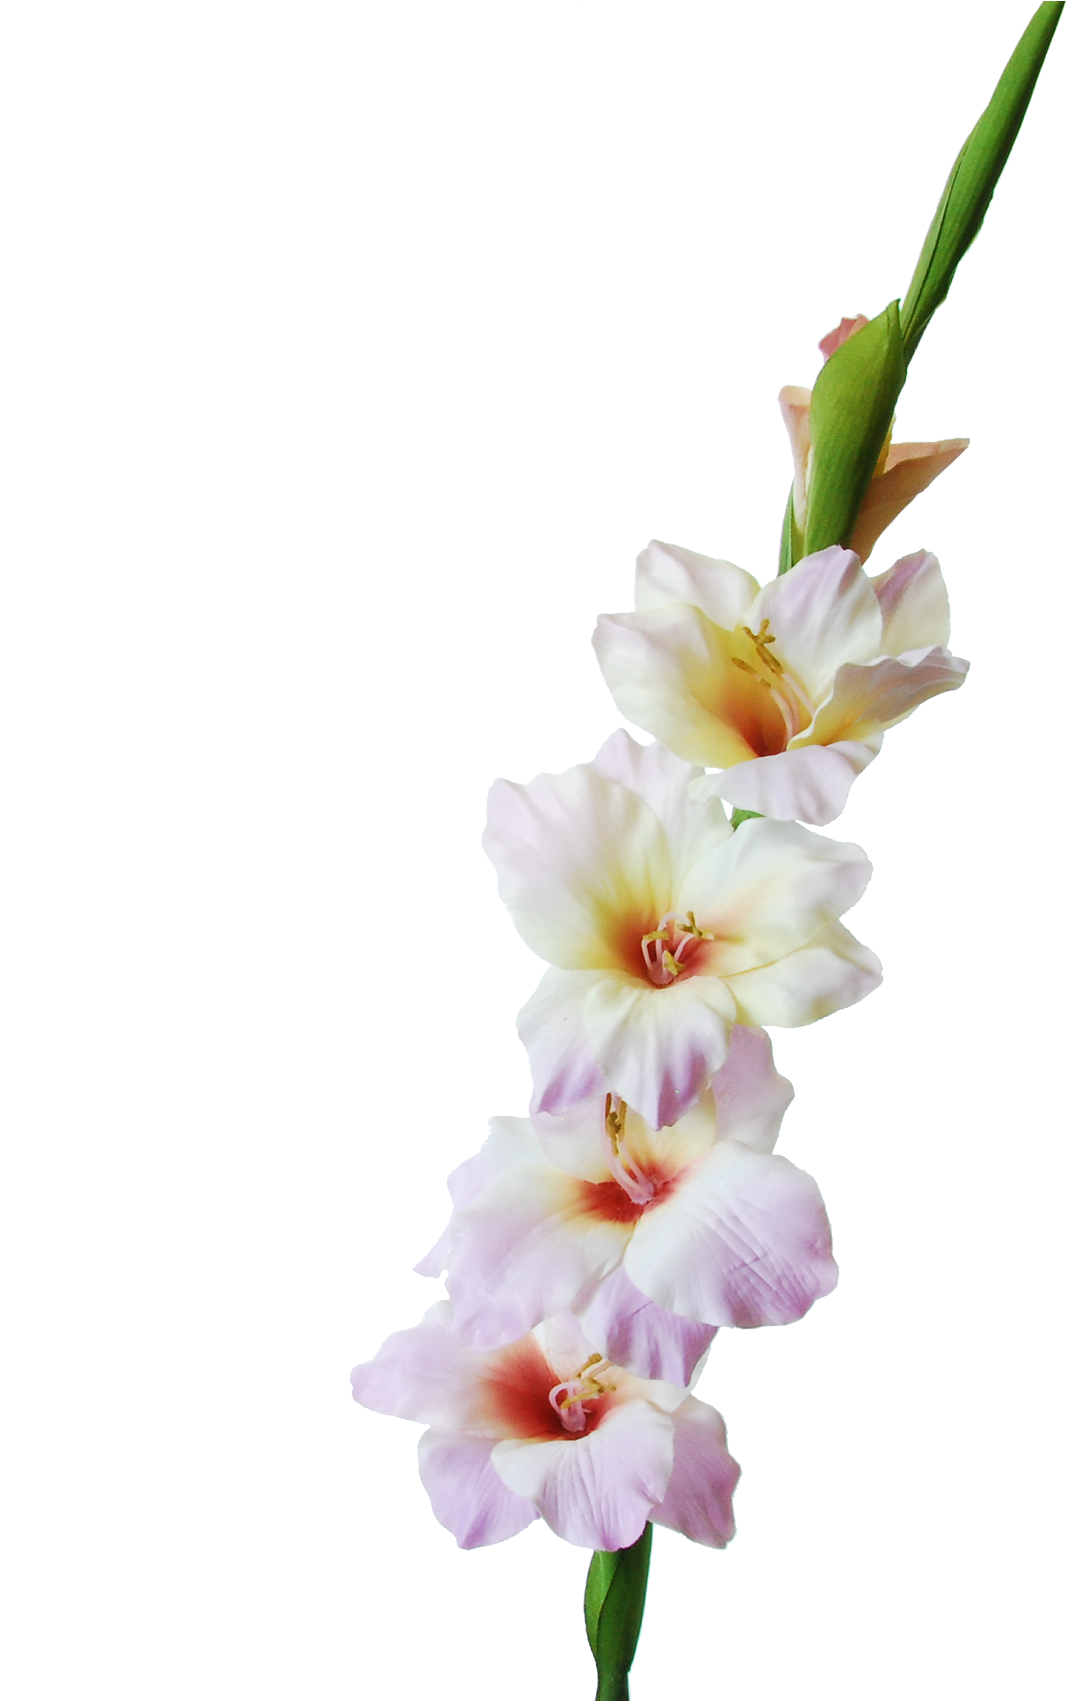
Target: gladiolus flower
{"points": [[548, 1427], [904, 470], [664, 927], [702, 1218], [788, 689]]}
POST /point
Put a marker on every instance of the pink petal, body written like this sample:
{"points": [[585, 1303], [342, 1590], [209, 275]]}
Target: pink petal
{"points": [[831, 972], [914, 604], [751, 1098], [741, 1239], [552, 1028], [699, 1499], [465, 1490], [909, 469], [631, 1330], [598, 1489], [659, 1046], [424, 1373], [868, 699], [511, 1141], [840, 334], [810, 783], [795, 403]]}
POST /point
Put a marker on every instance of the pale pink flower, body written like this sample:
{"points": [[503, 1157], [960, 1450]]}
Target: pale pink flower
{"points": [[904, 470], [596, 1209], [548, 1427], [788, 689], [664, 927]]}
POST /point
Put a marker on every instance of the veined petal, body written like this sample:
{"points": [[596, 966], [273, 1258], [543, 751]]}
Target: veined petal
{"points": [[909, 469], [768, 890], [810, 783], [632, 1330], [530, 1244], [552, 1027], [466, 1492], [742, 1239], [598, 1489], [666, 574], [914, 603], [822, 613], [831, 972], [751, 1098], [659, 1046], [576, 857], [671, 670], [699, 1499], [424, 1373], [873, 697], [511, 1141], [664, 781]]}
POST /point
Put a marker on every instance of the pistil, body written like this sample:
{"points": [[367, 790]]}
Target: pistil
{"points": [[568, 1399], [665, 949]]}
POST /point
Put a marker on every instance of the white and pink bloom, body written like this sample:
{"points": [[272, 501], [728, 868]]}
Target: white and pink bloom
{"points": [[664, 927], [788, 689], [702, 1219], [546, 1427]]}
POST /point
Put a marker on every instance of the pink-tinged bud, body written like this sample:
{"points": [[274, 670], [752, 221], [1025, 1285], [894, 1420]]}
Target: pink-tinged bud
{"points": [[841, 333]]}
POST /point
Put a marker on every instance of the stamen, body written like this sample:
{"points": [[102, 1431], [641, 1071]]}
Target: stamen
{"points": [[568, 1398], [624, 1170]]}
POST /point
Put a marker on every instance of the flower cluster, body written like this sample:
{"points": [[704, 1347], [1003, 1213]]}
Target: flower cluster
{"points": [[596, 1247]]}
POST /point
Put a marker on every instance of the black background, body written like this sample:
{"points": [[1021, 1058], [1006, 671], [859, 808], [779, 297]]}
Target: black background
{"points": [[574, 286]]}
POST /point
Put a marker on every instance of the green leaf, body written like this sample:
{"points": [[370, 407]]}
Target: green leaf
{"points": [[851, 415], [974, 176], [791, 547], [614, 1608]]}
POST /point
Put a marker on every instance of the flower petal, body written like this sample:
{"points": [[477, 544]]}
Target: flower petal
{"points": [[511, 1141], [666, 574], [424, 1373], [822, 613], [870, 698], [751, 1098], [598, 1489], [914, 604], [909, 469], [699, 1500], [810, 783], [632, 1330], [552, 1027], [576, 856], [659, 1046], [829, 974], [671, 670], [466, 1492], [528, 1247], [741, 1239], [664, 781], [767, 890]]}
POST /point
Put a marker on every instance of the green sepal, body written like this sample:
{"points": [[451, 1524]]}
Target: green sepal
{"points": [[973, 178], [614, 1607], [740, 815], [791, 547], [851, 416]]}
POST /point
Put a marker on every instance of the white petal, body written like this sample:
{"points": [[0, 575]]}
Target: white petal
{"points": [[914, 604], [868, 699], [664, 782], [598, 1489], [552, 1028], [699, 1501], [466, 1492], [671, 670], [575, 856], [659, 1046], [823, 612], [741, 1239], [666, 573], [810, 784], [768, 890], [829, 974], [632, 1330]]}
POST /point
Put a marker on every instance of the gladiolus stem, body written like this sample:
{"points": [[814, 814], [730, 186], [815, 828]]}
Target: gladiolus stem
{"points": [[614, 1607]]}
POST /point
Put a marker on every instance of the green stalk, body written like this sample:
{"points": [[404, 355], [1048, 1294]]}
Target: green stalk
{"points": [[614, 1608]]}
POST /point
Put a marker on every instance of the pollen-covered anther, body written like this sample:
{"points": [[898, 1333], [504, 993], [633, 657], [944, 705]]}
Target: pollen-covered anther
{"points": [[569, 1398], [664, 948]]}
